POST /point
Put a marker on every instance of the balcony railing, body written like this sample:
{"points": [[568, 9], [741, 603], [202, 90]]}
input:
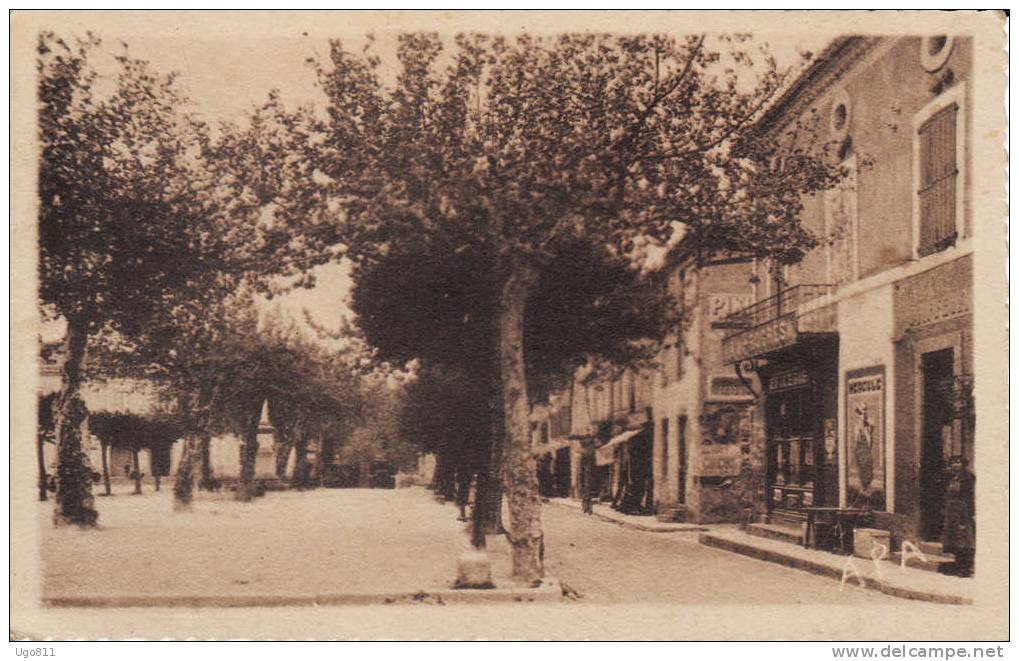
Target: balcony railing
{"points": [[785, 302]]}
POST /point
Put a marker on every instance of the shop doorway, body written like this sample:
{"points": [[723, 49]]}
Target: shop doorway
{"points": [[545, 476], [936, 371], [562, 473], [681, 436], [635, 494], [792, 434], [799, 467]]}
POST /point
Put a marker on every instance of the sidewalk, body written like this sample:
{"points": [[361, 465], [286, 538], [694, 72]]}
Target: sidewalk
{"points": [[645, 523], [884, 576], [327, 546]]}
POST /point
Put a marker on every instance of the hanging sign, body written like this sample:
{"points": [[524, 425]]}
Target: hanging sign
{"points": [[774, 335]]}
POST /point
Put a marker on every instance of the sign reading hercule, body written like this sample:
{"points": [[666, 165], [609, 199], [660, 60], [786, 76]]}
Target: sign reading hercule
{"points": [[865, 438]]}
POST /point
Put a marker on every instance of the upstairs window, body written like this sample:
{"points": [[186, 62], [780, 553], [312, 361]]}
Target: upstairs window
{"points": [[938, 172]]}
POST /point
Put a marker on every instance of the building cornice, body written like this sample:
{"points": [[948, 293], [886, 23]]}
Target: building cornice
{"points": [[823, 74]]}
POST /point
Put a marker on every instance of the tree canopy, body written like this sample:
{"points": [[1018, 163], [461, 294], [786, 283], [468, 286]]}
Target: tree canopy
{"points": [[518, 149]]}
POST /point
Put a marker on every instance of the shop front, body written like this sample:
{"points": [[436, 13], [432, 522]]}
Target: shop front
{"points": [[630, 454], [934, 414], [800, 413], [790, 348]]}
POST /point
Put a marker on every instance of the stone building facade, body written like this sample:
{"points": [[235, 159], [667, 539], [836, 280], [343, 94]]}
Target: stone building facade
{"points": [[863, 351], [702, 409], [844, 381]]}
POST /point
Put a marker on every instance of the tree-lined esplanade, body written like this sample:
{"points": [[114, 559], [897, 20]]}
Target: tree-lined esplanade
{"points": [[496, 201]]}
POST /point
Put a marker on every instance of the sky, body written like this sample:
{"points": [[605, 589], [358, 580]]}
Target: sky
{"points": [[228, 63]]}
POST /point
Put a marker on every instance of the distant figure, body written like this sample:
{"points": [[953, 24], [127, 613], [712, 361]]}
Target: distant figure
{"points": [[959, 534], [587, 489], [746, 489], [463, 492]]}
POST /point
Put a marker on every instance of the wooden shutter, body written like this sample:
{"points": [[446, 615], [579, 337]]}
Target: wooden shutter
{"points": [[938, 174]]}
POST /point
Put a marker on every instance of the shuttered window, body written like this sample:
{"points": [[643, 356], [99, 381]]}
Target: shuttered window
{"points": [[938, 174]]}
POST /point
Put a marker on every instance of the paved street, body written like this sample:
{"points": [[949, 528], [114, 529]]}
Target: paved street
{"points": [[627, 583], [605, 562], [364, 541]]}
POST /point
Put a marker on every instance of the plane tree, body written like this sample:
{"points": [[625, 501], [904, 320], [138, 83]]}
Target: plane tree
{"points": [[147, 219], [513, 150], [424, 303]]}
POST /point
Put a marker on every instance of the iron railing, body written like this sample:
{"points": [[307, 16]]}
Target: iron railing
{"points": [[785, 302]]}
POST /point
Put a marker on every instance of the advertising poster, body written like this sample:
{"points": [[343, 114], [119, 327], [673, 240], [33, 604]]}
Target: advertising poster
{"points": [[725, 428], [865, 439]]}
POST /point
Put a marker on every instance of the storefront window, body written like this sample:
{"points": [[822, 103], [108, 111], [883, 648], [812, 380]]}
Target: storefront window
{"points": [[792, 432]]}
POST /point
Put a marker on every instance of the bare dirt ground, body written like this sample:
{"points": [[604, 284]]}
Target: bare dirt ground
{"points": [[286, 543]]}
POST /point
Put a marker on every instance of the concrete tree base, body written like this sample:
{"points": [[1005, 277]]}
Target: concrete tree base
{"points": [[474, 570]]}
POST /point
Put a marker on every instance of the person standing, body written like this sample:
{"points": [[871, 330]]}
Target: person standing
{"points": [[587, 487], [463, 491], [959, 533]]}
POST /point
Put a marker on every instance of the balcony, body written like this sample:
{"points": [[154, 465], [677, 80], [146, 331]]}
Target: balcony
{"points": [[775, 323], [785, 302]]}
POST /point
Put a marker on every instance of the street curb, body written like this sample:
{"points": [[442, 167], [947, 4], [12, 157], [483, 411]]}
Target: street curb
{"points": [[828, 571], [636, 526], [550, 590]]}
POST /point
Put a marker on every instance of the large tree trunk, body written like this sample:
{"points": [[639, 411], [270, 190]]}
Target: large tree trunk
{"points": [[40, 456], [494, 490], [519, 468], [284, 444], [299, 476], [249, 449], [74, 504], [445, 474], [105, 449], [325, 455], [184, 483], [137, 470], [206, 479], [488, 506]]}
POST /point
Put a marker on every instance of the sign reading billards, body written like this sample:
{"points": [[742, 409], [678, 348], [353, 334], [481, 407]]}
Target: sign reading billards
{"points": [[760, 340]]}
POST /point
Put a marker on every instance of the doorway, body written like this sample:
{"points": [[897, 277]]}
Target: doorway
{"points": [[681, 435], [937, 373]]}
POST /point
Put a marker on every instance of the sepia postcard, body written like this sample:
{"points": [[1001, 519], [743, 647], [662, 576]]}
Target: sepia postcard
{"points": [[509, 325]]}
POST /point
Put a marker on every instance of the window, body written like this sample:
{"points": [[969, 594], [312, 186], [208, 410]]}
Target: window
{"points": [[938, 154], [938, 174], [934, 51], [632, 393], [838, 123]]}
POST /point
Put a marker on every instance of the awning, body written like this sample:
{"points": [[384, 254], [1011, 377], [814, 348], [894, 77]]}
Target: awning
{"points": [[606, 453]]}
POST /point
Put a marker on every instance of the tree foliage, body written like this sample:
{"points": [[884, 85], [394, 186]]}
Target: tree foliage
{"points": [[518, 149], [150, 224]]}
